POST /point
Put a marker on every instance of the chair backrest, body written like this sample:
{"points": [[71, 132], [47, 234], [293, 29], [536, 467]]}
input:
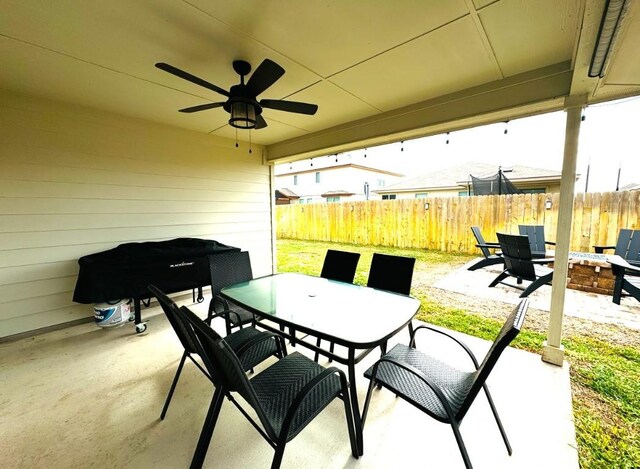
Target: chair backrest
{"points": [[628, 245], [391, 273], [509, 331], [340, 265], [516, 252], [480, 240], [229, 268], [536, 237], [224, 366], [182, 330]]}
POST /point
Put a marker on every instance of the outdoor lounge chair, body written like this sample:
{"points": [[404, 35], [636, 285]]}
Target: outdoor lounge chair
{"points": [[536, 239], [519, 263], [627, 278], [340, 266], [485, 248], [265, 344], [285, 397], [437, 388], [229, 268], [627, 246]]}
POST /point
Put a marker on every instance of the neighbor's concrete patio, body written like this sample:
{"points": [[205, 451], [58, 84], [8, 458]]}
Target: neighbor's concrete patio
{"points": [[83, 397]]}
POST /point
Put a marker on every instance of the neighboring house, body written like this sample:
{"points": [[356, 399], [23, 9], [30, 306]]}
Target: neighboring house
{"points": [[332, 182], [285, 197], [455, 181]]}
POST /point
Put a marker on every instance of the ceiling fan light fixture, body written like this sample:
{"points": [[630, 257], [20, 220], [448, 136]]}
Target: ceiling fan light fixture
{"points": [[243, 115]]}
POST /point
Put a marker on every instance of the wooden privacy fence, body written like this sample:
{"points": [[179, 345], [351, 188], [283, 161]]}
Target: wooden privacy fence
{"points": [[445, 224]]}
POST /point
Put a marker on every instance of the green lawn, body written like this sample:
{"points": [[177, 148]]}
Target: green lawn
{"points": [[605, 376]]}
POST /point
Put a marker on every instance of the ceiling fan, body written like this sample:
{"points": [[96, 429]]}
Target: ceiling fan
{"points": [[242, 104]]}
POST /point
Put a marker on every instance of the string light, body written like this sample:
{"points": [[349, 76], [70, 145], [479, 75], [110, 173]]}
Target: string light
{"points": [[447, 142], [311, 160], [506, 130], [401, 145], [365, 152]]}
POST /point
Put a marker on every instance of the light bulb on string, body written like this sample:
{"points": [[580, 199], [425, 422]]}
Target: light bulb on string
{"points": [[336, 157], [311, 160], [447, 142], [365, 152], [401, 145], [506, 130]]}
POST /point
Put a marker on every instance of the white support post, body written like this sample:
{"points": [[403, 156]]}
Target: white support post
{"points": [[552, 349]]}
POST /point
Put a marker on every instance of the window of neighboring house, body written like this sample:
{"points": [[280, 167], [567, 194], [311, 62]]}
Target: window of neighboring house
{"points": [[300, 200], [388, 196], [334, 198], [422, 195], [309, 200], [295, 179], [380, 182], [537, 190], [465, 193], [317, 177]]}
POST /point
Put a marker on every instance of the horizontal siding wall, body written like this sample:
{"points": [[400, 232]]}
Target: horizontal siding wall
{"points": [[75, 181]]}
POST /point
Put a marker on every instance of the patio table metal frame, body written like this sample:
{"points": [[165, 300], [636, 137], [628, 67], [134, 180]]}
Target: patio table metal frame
{"points": [[355, 317]]}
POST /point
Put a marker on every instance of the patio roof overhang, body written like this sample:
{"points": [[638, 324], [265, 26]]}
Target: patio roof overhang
{"points": [[429, 67]]}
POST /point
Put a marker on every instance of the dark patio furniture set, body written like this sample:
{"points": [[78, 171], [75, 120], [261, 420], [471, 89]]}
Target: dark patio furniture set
{"points": [[287, 395], [524, 258]]}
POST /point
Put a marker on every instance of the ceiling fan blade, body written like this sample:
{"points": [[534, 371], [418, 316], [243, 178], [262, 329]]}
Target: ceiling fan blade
{"points": [[260, 122], [290, 106], [192, 78], [201, 107], [267, 73]]}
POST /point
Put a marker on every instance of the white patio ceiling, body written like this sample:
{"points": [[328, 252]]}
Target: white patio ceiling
{"points": [[379, 70]]}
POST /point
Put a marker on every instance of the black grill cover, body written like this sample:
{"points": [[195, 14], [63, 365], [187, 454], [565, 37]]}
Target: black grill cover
{"points": [[126, 270]]}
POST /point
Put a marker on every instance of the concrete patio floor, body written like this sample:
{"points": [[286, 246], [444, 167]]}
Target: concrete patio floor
{"points": [[85, 397]]}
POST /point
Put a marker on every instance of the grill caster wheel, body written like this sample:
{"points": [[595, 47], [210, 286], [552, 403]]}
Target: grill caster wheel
{"points": [[140, 328]]}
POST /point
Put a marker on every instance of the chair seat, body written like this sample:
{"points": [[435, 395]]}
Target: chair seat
{"points": [[277, 386], [453, 383], [258, 352]]}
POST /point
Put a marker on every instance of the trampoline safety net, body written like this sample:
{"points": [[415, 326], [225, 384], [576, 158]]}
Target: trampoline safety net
{"points": [[497, 184]]}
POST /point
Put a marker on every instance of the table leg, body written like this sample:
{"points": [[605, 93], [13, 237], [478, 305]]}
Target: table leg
{"points": [[357, 417]]}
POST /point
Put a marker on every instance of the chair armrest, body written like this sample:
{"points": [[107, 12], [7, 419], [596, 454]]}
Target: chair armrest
{"points": [[600, 249], [618, 261], [212, 313], [262, 337], [547, 260], [412, 342], [488, 246]]}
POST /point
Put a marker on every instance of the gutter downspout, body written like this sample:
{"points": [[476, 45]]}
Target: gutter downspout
{"points": [[552, 349]]}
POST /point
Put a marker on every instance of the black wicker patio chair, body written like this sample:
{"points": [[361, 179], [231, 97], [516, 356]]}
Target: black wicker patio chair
{"points": [[520, 264], [340, 266], [391, 273], [285, 397], [486, 248], [536, 240], [627, 246], [442, 391], [229, 268], [264, 344], [627, 279]]}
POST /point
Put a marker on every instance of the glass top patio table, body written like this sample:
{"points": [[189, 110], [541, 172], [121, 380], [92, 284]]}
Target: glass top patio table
{"points": [[358, 318], [350, 315]]}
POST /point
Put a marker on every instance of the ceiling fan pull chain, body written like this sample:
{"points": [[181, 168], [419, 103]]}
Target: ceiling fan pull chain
{"points": [[250, 141], [236, 138]]}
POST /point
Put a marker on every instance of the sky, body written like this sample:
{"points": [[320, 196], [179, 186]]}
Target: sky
{"points": [[609, 139]]}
